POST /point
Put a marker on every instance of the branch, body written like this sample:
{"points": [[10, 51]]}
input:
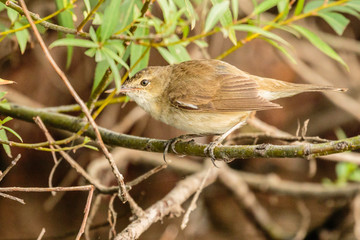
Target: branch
{"points": [[74, 124], [170, 204]]}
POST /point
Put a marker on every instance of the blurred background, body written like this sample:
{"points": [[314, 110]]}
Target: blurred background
{"points": [[218, 214]]}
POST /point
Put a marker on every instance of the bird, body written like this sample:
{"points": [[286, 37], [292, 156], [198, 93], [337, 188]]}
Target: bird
{"points": [[207, 97]]}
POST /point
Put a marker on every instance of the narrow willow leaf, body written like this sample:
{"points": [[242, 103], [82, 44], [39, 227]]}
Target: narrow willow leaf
{"points": [[282, 49], [320, 44], [283, 8], [354, 4], [100, 70], [87, 5], [5, 120], [232, 35], [13, 132], [126, 15], [214, 15], [74, 42], [336, 21], [66, 20], [136, 51], [165, 7], [235, 8], [115, 71], [12, 14], [178, 50], [255, 29], [299, 7], [3, 137], [226, 18], [311, 5], [264, 6], [2, 6], [114, 56], [21, 36], [167, 55], [111, 18]]}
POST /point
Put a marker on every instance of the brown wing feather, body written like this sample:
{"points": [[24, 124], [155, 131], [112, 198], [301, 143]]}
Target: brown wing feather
{"points": [[211, 85]]}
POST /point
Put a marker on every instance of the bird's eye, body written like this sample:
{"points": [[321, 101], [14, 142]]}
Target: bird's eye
{"points": [[144, 82]]}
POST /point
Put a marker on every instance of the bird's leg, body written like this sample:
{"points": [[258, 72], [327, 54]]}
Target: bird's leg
{"points": [[171, 143], [209, 150]]}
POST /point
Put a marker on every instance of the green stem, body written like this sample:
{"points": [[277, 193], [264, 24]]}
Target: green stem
{"points": [[74, 124]]}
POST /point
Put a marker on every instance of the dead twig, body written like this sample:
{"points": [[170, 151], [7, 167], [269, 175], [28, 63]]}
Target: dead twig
{"points": [[123, 194], [170, 204], [12, 164]]}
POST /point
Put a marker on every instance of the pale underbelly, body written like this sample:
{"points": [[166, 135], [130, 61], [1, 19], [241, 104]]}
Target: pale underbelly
{"points": [[201, 123]]}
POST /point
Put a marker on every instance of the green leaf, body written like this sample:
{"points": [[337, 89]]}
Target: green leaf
{"points": [[355, 176], [178, 50], [167, 55], [283, 8], [311, 5], [5, 120], [126, 15], [12, 14], [264, 6], [343, 170], [235, 8], [320, 44], [6, 147], [13, 132], [340, 134], [114, 56], [255, 29], [115, 71], [282, 49], [216, 12], [226, 18], [100, 70], [136, 51], [299, 7], [74, 42], [354, 4], [66, 20], [87, 5], [21, 36], [111, 18], [2, 6], [336, 21]]}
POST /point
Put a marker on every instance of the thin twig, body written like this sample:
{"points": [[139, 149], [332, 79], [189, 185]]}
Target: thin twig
{"points": [[305, 221], [12, 164], [86, 212], [171, 203], [92, 214], [112, 217], [123, 194], [41, 234], [146, 175], [192, 205], [12, 198]]}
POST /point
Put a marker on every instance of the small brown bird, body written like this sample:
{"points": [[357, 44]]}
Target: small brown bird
{"points": [[207, 96]]}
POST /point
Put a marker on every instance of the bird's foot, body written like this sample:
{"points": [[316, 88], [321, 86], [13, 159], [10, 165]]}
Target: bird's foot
{"points": [[172, 142], [209, 151]]}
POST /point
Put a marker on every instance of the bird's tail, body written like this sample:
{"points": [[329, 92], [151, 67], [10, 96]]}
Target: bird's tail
{"points": [[272, 89]]}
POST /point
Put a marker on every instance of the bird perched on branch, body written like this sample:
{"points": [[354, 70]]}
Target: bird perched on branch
{"points": [[207, 97]]}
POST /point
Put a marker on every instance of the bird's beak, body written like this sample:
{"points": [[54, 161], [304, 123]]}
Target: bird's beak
{"points": [[127, 89], [122, 90]]}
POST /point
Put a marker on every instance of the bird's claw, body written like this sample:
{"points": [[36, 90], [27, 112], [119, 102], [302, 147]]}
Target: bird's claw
{"points": [[209, 151], [170, 143]]}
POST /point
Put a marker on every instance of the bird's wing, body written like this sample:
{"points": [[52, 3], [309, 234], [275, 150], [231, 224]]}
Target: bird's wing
{"points": [[219, 90]]}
